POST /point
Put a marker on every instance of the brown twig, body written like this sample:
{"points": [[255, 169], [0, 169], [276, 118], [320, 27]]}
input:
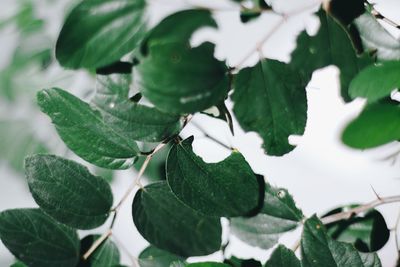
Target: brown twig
{"points": [[97, 244]]}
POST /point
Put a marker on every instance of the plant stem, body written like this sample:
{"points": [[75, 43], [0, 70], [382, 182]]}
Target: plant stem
{"points": [[97, 243], [378, 15]]}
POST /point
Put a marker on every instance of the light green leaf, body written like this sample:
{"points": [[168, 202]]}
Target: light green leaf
{"points": [[270, 99], [170, 225], [278, 215], [283, 257], [318, 249], [99, 32], [154, 257], [37, 239], [68, 192], [128, 118], [378, 124], [106, 255], [175, 77], [225, 189], [376, 82], [84, 131]]}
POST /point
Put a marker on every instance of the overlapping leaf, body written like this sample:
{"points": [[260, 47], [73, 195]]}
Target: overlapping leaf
{"points": [[283, 257], [106, 254]]}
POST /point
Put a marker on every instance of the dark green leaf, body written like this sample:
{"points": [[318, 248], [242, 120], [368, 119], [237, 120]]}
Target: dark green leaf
{"points": [[376, 82], [378, 124], [18, 264], [37, 239], [106, 255], [330, 46], [283, 257], [318, 249], [270, 99], [278, 215], [175, 77], [225, 189], [167, 223], [346, 11], [236, 262], [85, 132], [68, 192], [99, 32], [367, 232], [154, 257]]}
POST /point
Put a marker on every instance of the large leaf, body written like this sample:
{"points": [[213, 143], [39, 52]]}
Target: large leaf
{"points": [[330, 46], [175, 77], [283, 257], [376, 82], [167, 223], [106, 255], [154, 257], [318, 249], [278, 215], [378, 124], [37, 239], [225, 189], [270, 99], [99, 32], [130, 119], [84, 131], [68, 192]]}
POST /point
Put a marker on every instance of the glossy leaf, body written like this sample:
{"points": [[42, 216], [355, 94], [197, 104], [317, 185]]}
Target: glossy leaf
{"points": [[154, 257], [376, 82], [99, 32], [378, 124], [84, 131], [225, 189], [283, 257], [68, 192], [106, 255], [170, 225], [193, 79], [270, 99], [278, 215], [318, 249], [37, 239]]}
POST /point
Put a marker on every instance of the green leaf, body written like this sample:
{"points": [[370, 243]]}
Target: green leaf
{"points": [[156, 169], [278, 215], [18, 264], [345, 11], [178, 264], [170, 225], [225, 189], [207, 264], [330, 46], [376, 82], [84, 131], [18, 141], [106, 255], [99, 32], [68, 192], [370, 260], [283, 257], [37, 239], [318, 249], [175, 77], [378, 124], [236, 262], [154, 257], [367, 232], [270, 99], [130, 119]]}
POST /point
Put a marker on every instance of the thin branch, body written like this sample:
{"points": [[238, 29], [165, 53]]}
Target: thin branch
{"points": [[396, 234], [296, 245], [379, 15], [97, 243], [211, 137], [348, 214]]}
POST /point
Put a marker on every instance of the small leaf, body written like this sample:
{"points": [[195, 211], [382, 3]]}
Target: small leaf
{"points": [[154, 257], [37, 239], [68, 192], [376, 82], [106, 255], [170, 225], [225, 189], [378, 124], [84, 131], [99, 32], [278, 215], [270, 99], [283, 257]]}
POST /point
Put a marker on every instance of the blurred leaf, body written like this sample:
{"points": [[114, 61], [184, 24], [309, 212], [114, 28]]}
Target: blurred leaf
{"points": [[154, 257], [18, 264], [236, 262], [283, 257], [106, 255], [156, 169]]}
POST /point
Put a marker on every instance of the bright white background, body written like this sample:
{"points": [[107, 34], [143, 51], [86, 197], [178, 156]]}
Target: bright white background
{"points": [[321, 172]]}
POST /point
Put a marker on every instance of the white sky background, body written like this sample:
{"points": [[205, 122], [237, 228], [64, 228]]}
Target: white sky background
{"points": [[321, 172]]}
